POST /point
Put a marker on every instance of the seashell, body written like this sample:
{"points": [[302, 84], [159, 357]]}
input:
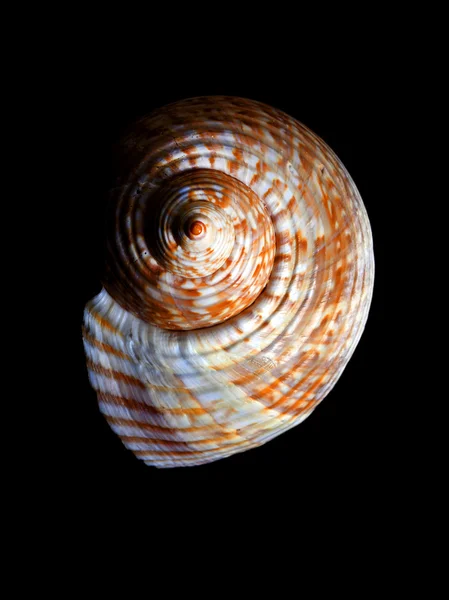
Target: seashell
{"points": [[239, 276]]}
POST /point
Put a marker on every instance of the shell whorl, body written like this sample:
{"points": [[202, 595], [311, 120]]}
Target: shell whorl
{"points": [[238, 282], [172, 277]]}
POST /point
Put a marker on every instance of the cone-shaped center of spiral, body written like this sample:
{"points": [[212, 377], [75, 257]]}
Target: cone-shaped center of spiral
{"points": [[190, 234], [201, 250], [196, 229]]}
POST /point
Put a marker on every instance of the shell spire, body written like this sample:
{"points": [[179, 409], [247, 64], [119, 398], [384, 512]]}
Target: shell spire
{"points": [[238, 281]]}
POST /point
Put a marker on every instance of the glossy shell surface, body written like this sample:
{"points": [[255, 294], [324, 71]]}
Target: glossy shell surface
{"points": [[238, 281]]}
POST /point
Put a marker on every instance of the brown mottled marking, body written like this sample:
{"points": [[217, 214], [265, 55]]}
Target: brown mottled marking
{"points": [[282, 237], [242, 226], [103, 346], [319, 330], [319, 243], [145, 440], [220, 307], [103, 322], [256, 271], [147, 408], [302, 245], [238, 160], [281, 187], [272, 296], [279, 217], [133, 422], [255, 178], [117, 375], [310, 357], [291, 205], [153, 267], [268, 390], [312, 388], [267, 193], [191, 293], [281, 256]]}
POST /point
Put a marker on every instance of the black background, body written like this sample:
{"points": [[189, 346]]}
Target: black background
{"points": [[343, 104]]}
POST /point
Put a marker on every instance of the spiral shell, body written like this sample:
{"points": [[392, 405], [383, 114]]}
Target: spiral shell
{"points": [[238, 281]]}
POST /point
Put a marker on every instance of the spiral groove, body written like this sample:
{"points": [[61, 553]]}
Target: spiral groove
{"points": [[239, 278], [177, 280]]}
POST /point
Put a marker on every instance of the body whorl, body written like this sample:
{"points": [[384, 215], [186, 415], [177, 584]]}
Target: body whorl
{"points": [[238, 281]]}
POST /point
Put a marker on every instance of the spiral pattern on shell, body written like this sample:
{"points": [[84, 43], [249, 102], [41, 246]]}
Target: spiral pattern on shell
{"points": [[238, 281]]}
